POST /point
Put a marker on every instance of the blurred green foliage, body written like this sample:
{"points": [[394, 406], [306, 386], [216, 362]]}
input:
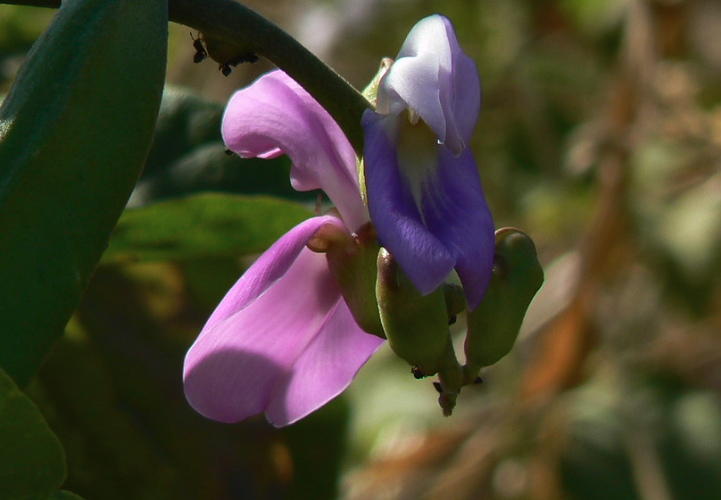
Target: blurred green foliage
{"points": [[19, 28], [188, 156], [656, 438]]}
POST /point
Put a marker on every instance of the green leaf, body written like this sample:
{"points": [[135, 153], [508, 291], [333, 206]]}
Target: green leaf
{"points": [[32, 463], [75, 129], [208, 225]]}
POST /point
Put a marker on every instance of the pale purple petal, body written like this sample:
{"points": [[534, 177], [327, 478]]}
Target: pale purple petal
{"points": [[435, 78], [235, 369], [412, 82], [460, 98], [397, 220], [324, 369], [275, 115], [452, 227], [456, 212], [269, 267]]}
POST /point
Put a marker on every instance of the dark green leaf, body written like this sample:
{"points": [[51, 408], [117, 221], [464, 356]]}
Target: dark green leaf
{"points": [[32, 463], [74, 132], [65, 495]]}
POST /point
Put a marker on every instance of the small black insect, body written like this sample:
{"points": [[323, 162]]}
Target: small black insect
{"points": [[200, 52], [417, 373], [452, 320]]}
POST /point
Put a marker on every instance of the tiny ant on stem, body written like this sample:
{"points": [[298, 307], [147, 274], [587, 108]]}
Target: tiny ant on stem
{"points": [[200, 52]]}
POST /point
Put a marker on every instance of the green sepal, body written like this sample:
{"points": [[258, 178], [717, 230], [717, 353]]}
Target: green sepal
{"points": [[371, 91], [455, 299], [352, 261], [371, 94]]}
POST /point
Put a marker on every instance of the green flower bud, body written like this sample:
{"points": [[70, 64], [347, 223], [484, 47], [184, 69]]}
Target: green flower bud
{"points": [[493, 326], [416, 326]]}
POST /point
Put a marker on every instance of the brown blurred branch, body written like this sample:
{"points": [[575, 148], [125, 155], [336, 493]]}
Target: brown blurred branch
{"points": [[566, 342], [240, 31]]}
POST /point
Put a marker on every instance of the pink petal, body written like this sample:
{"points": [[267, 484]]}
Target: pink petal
{"points": [[262, 325], [234, 370], [324, 369], [269, 267], [461, 99], [275, 114]]}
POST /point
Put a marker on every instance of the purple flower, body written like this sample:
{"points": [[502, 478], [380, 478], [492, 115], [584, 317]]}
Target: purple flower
{"points": [[424, 193], [283, 340]]}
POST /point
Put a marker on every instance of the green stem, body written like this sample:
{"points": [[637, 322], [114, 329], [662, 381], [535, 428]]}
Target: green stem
{"points": [[238, 26]]}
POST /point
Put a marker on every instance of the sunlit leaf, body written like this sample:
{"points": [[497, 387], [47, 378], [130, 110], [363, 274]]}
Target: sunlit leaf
{"points": [[209, 225]]}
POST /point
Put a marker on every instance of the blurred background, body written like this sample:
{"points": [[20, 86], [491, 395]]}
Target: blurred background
{"points": [[599, 136]]}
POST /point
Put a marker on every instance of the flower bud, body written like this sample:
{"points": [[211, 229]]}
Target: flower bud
{"points": [[416, 326], [493, 326]]}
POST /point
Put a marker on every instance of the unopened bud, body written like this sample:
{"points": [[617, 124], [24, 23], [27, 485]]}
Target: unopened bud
{"points": [[493, 326], [416, 326]]}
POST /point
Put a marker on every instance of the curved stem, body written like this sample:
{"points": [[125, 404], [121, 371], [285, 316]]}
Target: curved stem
{"points": [[244, 30]]}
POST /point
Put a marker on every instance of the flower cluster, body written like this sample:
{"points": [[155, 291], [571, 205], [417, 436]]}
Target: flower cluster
{"points": [[295, 329]]}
